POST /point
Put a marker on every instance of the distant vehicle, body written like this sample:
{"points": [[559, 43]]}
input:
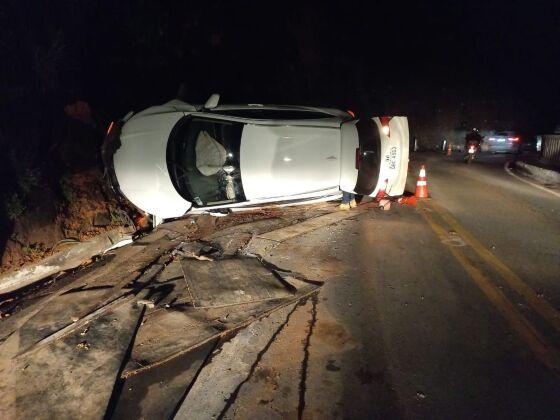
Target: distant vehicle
{"points": [[176, 158], [503, 142]]}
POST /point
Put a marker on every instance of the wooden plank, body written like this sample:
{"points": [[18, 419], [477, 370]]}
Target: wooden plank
{"points": [[155, 393], [72, 377], [218, 380], [231, 282], [166, 334]]}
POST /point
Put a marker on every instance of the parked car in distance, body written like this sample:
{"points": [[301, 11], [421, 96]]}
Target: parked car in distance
{"points": [[176, 158], [502, 142]]}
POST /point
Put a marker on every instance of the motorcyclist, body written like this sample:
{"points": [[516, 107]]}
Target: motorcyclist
{"points": [[473, 137]]}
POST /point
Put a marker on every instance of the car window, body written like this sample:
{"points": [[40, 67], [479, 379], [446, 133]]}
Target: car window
{"points": [[273, 114], [203, 161], [370, 148]]}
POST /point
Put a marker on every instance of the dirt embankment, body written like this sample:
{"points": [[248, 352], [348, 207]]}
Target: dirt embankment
{"points": [[58, 196], [49, 224]]}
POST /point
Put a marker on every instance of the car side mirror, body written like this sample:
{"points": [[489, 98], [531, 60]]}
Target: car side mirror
{"points": [[212, 101]]}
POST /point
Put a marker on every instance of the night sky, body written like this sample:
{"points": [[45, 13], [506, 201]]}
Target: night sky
{"points": [[375, 57]]}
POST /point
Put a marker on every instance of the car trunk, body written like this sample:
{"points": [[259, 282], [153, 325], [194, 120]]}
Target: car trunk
{"points": [[393, 168], [371, 159]]}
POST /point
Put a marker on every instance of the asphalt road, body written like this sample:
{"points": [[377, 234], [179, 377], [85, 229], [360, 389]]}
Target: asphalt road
{"points": [[447, 309]]}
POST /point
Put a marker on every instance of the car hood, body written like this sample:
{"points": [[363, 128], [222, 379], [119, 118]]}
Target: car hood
{"points": [[280, 161], [141, 166]]}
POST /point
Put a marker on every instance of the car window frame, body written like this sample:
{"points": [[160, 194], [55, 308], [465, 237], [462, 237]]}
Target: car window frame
{"points": [[189, 194]]}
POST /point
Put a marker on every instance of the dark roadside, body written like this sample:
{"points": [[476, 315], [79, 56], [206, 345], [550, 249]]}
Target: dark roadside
{"points": [[543, 170]]}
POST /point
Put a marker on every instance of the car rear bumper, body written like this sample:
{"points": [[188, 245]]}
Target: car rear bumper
{"points": [[499, 148]]}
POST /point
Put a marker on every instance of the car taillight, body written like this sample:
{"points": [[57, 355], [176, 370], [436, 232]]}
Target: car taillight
{"points": [[358, 158], [351, 113], [110, 128], [516, 139], [385, 125]]}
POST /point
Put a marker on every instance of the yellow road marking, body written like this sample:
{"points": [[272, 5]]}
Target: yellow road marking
{"points": [[540, 305], [547, 354]]}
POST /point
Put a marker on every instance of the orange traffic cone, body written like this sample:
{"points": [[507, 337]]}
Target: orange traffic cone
{"points": [[382, 191], [449, 150], [422, 184]]}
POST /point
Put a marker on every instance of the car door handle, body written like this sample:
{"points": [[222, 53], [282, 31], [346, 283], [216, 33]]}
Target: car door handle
{"points": [[331, 158]]}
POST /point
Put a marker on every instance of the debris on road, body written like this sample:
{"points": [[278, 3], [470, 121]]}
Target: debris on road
{"points": [[147, 305], [62, 260], [385, 204], [83, 345], [200, 295], [409, 200]]}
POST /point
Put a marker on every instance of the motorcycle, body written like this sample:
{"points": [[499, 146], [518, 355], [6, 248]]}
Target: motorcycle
{"points": [[472, 151]]}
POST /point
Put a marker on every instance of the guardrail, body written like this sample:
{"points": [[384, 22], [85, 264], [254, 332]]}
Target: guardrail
{"points": [[551, 147]]}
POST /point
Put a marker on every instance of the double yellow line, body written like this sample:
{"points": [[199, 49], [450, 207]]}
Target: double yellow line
{"points": [[544, 351]]}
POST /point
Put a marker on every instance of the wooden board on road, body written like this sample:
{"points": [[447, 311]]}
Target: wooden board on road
{"points": [[230, 282]]}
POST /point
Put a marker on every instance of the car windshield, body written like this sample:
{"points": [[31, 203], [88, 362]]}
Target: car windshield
{"points": [[203, 161]]}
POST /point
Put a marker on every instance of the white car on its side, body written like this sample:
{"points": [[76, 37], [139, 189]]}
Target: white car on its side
{"points": [[176, 158]]}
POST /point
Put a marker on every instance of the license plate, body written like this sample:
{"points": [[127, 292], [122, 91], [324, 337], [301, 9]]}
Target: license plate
{"points": [[501, 140]]}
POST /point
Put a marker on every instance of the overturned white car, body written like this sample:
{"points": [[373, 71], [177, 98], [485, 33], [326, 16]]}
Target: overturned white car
{"points": [[175, 158]]}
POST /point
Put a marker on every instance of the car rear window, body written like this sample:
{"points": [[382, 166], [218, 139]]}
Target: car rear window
{"points": [[370, 157], [273, 114]]}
